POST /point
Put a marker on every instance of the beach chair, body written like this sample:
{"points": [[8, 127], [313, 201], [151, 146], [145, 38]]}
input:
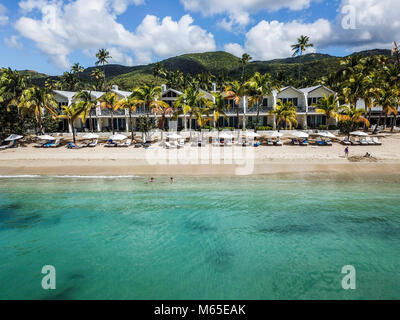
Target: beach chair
{"points": [[125, 144], [110, 144], [270, 142], [56, 144], [49, 144], [346, 142], [7, 146], [364, 142], [328, 142], [93, 144], [369, 141], [376, 141], [229, 143], [169, 145], [303, 143], [246, 143], [355, 142], [72, 146], [181, 143], [278, 143], [295, 142]]}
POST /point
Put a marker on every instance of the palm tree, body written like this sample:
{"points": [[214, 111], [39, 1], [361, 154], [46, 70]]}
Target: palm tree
{"points": [[12, 86], [353, 116], [328, 106], [236, 91], [163, 109], [218, 108], [35, 101], [89, 102], [129, 104], [303, 43], [97, 76], [260, 86], [285, 113], [244, 61], [102, 59], [191, 102], [76, 69], [109, 101], [72, 113], [149, 96]]}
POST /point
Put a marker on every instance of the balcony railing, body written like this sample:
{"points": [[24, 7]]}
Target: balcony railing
{"points": [[107, 112], [263, 109]]}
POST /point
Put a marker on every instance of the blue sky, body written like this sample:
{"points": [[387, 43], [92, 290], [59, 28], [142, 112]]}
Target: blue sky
{"points": [[49, 35]]}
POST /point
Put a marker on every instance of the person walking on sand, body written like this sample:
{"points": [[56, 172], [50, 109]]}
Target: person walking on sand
{"points": [[346, 152]]}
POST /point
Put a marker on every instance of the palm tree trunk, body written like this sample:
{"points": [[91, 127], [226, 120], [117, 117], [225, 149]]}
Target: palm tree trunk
{"points": [[112, 121], [73, 131], [131, 124], [91, 121], [394, 122], [257, 118], [379, 119], [237, 114]]}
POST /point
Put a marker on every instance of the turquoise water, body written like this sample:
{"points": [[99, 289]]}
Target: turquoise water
{"points": [[279, 237]]}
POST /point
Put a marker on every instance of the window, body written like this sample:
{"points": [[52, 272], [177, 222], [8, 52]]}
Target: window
{"points": [[312, 101], [265, 103], [294, 101]]}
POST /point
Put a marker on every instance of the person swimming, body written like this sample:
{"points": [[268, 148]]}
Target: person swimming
{"points": [[151, 179], [172, 180]]}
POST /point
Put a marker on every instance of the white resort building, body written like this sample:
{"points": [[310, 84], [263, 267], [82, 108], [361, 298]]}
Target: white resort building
{"points": [[302, 99]]}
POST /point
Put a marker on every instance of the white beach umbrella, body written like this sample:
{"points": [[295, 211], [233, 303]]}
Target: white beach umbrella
{"points": [[90, 136], [175, 136], [300, 134], [46, 137], [118, 137], [275, 134], [252, 135], [326, 134], [13, 137], [359, 134], [225, 136]]}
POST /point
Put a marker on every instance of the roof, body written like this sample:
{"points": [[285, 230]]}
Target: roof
{"points": [[66, 94], [290, 87], [121, 93], [173, 90], [311, 89]]}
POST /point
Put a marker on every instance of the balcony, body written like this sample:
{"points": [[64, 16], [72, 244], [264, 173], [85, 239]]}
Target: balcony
{"points": [[263, 109], [107, 112]]}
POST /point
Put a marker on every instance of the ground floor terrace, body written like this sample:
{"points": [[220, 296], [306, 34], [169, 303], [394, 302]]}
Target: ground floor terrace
{"points": [[125, 124]]}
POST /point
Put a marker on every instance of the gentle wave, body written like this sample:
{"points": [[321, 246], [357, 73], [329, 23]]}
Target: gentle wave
{"points": [[69, 177]]}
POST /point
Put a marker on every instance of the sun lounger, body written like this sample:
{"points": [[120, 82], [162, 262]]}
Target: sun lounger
{"points": [[369, 141], [364, 142], [72, 146], [93, 144], [125, 144], [328, 142], [355, 142], [376, 141], [56, 144], [110, 144], [346, 142], [270, 142], [303, 143], [295, 142], [7, 146], [169, 145], [279, 143], [229, 143]]}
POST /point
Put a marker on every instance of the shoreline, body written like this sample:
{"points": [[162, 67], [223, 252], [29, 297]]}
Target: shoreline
{"points": [[126, 168]]}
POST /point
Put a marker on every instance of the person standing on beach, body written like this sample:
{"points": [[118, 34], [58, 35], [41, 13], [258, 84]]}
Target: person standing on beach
{"points": [[346, 152]]}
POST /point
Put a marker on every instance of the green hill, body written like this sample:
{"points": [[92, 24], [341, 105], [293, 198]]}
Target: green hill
{"points": [[313, 67]]}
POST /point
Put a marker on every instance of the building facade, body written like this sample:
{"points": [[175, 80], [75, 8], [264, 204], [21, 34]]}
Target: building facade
{"points": [[302, 99]]}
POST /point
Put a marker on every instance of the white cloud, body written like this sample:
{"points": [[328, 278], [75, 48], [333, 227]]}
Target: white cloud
{"points": [[239, 11], [3, 15], [272, 40], [377, 24], [91, 24], [13, 42]]}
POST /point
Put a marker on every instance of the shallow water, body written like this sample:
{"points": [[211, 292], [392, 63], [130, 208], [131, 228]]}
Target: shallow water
{"points": [[279, 237]]}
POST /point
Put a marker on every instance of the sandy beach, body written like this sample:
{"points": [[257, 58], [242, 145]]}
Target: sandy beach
{"points": [[194, 161]]}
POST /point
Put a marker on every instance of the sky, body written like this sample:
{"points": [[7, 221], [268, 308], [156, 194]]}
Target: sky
{"points": [[50, 35]]}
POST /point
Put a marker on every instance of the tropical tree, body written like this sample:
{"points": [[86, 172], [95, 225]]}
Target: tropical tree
{"points": [[350, 118], [244, 61], [149, 96], [303, 43], [89, 103], [72, 113], [102, 59], [76, 69], [285, 113], [260, 86], [129, 104], [389, 102], [98, 78], [12, 86], [328, 106], [218, 107], [109, 101], [35, 101], [191, 102], [236, 91]]}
